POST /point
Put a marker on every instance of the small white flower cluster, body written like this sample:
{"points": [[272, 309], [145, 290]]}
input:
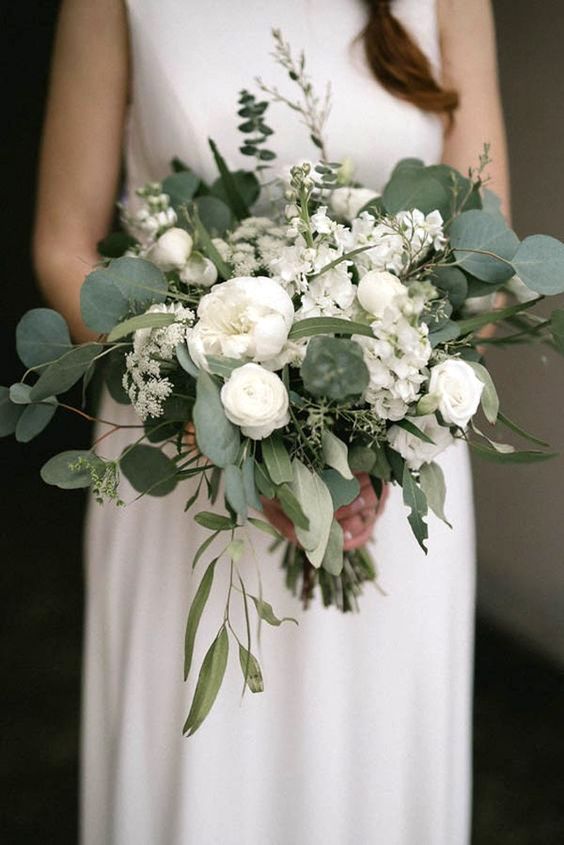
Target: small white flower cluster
{"points": [[146, 387], [154, 215], [252, 246], [398, 354]]}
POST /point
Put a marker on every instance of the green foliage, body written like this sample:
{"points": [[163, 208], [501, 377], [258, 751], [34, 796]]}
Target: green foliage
{"points": [[316, 503], [60, 376], [218, 439], [334, 367], [235, 490], [484, 245], [489, 399], [214, 215], [209, 682], [333, 558], [34, 419], [414, 498], [181, 188], [412, 186], [42, 336], [235, 200], [539, 263], [453, 282], [195, 614], [141, 321], [433, 485], [68, 470], [251, 495], [246, 183], [185, 361], [125, 285], [557, 328], [207, 246], [115, 244], [291, 506], [277, 459], [113, 369], [525, 457], [327, 325], [255, 127], [214, 521], [335, 453], [343, 490], [148, 470], [10, 412], [250, 668], [266, 613]]}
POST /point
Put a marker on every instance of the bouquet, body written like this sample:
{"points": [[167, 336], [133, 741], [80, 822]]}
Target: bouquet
{"points": [[309, 329]]}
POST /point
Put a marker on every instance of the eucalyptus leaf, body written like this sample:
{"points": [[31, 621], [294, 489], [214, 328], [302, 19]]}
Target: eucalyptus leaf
{"points": [[214, 215], [327, 325], [223, 365], [333, 558], [34, 419], [361, 458], [60, 376], [195, 614], [277, 460], [266, 613], [127, 284], [10, 413], [230, 185], [448, 331], [525, 457], [148, 470], [141, 321], [218, 439], [484, 245], [42, 336], [114, 367], [335, 453], [489, 399], [249, 485], [115, 244], [539, 263], [343, 490], [185, 361], [59, 472], [209, 682], [265, 527], [291, 506], [432, 483], [235, 490], [214, 521], [246, 184], [453, 282], [414, 498], [415, 187], [316, 503], [334, 367], [19, 393], [180, 187]]}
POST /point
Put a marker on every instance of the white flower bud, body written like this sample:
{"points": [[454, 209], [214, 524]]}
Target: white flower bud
{"points": [[199, 270], [379, 290], [172, 249]]}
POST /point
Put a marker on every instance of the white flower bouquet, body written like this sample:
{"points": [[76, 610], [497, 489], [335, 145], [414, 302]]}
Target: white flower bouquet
{"points": [[309, 329]]}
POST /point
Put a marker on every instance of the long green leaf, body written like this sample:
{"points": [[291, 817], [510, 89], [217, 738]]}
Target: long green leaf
{"points": [[209, 682], [277, 459], [141, 321], [202, 548], [208, 247], [251, 670], [327, 325], [512, 426], [214, 521], [236, 202], [60, 376], [525, 457], [432, 483], [266, 613], [195, 614], [414, 498], [472, 324]]}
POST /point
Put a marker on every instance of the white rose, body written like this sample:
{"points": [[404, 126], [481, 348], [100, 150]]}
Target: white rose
{"points": [[379, 290], [172, 249], [256, 400], [245, 317], [347, 202], [199, 270], [416, 451], [457, 389]]}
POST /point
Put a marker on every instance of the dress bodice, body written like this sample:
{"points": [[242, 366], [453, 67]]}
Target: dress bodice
{"points": [[190, 60]]}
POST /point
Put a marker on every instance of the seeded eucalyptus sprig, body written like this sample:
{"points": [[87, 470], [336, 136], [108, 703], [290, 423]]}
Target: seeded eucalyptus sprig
{"points": [[255, 128], [313, 109]]}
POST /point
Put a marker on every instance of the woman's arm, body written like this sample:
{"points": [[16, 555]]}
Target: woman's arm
{"points": [[470, 67], [81, 149]]}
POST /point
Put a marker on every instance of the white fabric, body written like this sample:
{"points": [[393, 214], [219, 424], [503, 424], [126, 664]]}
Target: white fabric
{"points": [[362, 735]]}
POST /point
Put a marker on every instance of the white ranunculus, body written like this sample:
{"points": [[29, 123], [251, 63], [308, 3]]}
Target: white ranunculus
{"points": [[172, 249], [200, 271], [256, 400], [458, 391], [379, 290], [416, 451], [347, 202], [245, 317]]}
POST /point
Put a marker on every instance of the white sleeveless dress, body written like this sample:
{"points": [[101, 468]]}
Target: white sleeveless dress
{"points": [[362, 735]]}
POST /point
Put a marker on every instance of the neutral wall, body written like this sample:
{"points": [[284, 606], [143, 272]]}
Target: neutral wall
{"points": [[520, 509]]}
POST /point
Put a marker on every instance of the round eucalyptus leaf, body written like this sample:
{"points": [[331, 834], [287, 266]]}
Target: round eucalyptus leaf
{"points": [[181, 187], [62, 374], [246, 183], [59, 472], [476, 288], [214, 214], [218, 439], [453, 282], [149, 470], [539, 263], [343, 490], [115, 244], [334, 367], [9, 413], [20, 393], [126, 285], [42, 336], [33, 420], [462, 193], [415, 187], [484, 245]]}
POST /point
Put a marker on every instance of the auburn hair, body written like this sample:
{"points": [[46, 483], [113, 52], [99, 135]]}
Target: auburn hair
{"points": [[400, 65]]}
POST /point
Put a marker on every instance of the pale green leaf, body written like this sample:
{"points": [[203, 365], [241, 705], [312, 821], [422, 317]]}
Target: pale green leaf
{"points": [[209, 682], [195, 614], [335, 453], [432, 483]]}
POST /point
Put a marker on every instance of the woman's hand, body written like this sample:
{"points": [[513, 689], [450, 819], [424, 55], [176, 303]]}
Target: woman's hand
{"points": [[357, 519]]}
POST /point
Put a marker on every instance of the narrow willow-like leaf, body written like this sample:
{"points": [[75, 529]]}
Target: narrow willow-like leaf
{"points": [[512, 426], [265, 527], [277, 459], [291, 506], [472, 324], [251, 670], [266, 613], [249, 483], [214, 521], [203, 547], [141, 321], [333, 557], [327, 325], [235, 200], [413, 429], [209, 682], [235, 490], [195, 614], [525, 457], [208, 247]]}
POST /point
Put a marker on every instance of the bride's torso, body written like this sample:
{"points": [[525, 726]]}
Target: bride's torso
{"points": [[191, 59]]}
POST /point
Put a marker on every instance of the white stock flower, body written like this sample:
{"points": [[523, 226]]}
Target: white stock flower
{"points": [[199, 270], [416, 451], [379, 291], [347, 202], [245, 317], [256, 400], [172, 249], [457, 390]]}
